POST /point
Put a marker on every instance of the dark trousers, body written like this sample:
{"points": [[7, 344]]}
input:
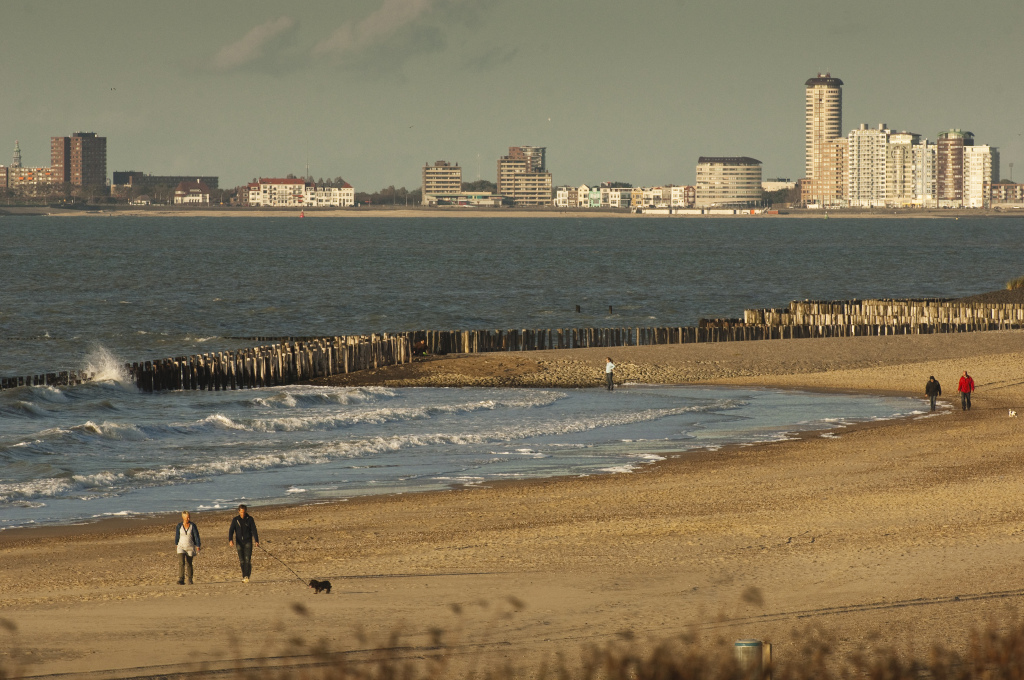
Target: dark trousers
{"points": [[965, 401], [184, 567], [932, 397], [608, 379], [244, 557]]}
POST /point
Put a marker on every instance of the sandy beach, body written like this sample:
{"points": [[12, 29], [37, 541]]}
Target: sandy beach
{"points": [[904, 532]]}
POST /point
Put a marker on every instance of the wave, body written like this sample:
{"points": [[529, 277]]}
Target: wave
{"points": [[105, 367], [292, 398], [117, 482]]}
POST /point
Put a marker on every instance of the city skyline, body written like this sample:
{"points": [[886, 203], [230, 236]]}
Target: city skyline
{"points": [[369, 89]]}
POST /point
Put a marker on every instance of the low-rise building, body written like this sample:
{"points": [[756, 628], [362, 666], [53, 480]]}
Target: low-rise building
{"points": [[1004, 192], [193, 192], [33, 180], [683, 197], [728, 182], [567, 197], [294, 192]]}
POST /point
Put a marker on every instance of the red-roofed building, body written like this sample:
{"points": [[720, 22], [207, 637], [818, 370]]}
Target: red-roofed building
{"points": [[298, 193], [192, 193]]}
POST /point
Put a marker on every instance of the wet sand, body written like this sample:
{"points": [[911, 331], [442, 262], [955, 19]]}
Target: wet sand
{"points": [[908, 532]]}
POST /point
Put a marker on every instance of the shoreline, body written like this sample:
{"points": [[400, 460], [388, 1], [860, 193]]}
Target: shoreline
{"points": [[104, 526], [516, 213]]}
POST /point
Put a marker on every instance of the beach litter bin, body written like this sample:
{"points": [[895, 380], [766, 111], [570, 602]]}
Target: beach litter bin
{"points": [[749, 655]]}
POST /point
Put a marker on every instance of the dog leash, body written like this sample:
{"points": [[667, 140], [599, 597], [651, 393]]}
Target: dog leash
{"points": [[282, 562]]}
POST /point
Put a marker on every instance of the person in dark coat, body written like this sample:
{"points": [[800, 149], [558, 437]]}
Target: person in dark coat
{"points": [[933, 389], [243, 535]]}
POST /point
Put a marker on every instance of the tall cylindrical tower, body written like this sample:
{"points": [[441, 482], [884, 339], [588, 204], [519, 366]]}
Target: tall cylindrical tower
{"points": [[824, 118]]}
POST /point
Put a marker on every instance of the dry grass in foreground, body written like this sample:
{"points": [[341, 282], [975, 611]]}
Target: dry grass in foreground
{"points": [[996, 653]]}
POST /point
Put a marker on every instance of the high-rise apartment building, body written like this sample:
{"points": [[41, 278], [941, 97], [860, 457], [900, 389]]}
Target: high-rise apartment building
{"points": [[823, 111], [950, 167], [981, 170], [925, 174], [441, 178], [80, 159], [523, 176], [865, 183], [899, 169], [728, 182]]}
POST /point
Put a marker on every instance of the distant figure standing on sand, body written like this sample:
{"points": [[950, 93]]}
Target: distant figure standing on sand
{"points": [[242, 535], [186, 539], [609, 368], [933, 389], [966, 386]]}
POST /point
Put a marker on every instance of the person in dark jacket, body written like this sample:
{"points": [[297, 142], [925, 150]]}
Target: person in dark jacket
{"points": [[186, 541], [933, 389], [242, 535]]}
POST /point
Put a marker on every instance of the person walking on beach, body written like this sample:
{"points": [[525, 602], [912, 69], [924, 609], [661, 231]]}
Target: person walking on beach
{"points": [[933, 389], [242, 535], [186, 539], [608, 373], [966, 386]]}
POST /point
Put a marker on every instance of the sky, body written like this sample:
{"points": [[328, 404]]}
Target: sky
{"points": [[370, 90]]}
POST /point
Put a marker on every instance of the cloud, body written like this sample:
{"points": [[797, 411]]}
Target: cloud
{"points": [[390, 17], [253, 44]]}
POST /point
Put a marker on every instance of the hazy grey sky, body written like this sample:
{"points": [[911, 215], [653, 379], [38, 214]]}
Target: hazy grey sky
{"points": [[370, 89]]}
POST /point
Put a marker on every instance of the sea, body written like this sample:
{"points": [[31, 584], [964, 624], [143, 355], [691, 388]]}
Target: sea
{"points": [[94, 291]]}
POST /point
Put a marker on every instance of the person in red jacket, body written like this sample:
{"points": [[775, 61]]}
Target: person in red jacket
{"points": [[966, 386]]}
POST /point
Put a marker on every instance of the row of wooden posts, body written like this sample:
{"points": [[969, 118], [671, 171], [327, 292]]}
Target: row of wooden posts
{"points": [[294, 360], [889, 312]]}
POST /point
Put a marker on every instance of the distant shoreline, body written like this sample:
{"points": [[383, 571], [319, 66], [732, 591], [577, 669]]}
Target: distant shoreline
{"points": [[428, 213]]}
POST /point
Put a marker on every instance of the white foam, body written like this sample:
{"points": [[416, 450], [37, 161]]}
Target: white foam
{"points": [[105, 367]]}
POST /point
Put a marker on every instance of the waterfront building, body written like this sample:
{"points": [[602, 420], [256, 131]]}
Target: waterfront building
{"points": [[615, 197], [594, 197], [1002, 193], [899, 169], [567, 197], [294, 192], [682, 197], [440, 178], [981, 170], [80, 159], [3, 176], [778, 183], [728, 182], [636, 197], [481, 199], [192, 192], [523, 176], [32, 180], [865, 183], [925, 178], [828, 188], [823, 112], [950, 167]]}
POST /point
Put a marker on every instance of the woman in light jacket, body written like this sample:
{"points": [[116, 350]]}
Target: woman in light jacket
{"points": [[186, 540]]}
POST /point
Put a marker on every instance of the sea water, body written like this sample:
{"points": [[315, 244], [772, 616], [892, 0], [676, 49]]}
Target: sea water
{"points": [[151, 287], [105, 449]]}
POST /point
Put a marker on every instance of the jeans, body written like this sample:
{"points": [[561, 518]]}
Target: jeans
{"points": [[184, 567], [965, 401], [244, 557], [609, 380], [932, 397]]}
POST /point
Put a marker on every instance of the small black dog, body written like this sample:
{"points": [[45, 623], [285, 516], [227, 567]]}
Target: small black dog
{"points": [[317, 586]]}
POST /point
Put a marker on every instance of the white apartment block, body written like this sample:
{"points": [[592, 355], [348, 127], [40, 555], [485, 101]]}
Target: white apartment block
{"points": [[926, 158], [615, 197], [728, 182], [298, 193], [440, 178], [567, 197], [865, 163], [682, 197], [899, 169], [981, 168]]}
